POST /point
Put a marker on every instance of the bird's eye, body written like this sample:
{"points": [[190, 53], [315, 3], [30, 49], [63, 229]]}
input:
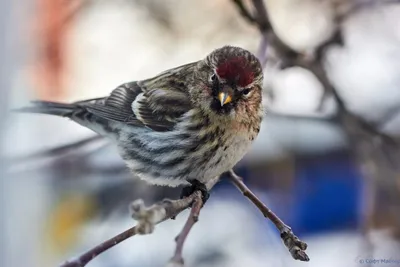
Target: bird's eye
{"points": [[246, 92], [213, 78]]}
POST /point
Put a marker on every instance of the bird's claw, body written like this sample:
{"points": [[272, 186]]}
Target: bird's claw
{"points": [[294, 244], [195, 185]]}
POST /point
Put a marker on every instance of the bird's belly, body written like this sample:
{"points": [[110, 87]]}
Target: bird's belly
{"points": [[225, 159], [171, 162]]}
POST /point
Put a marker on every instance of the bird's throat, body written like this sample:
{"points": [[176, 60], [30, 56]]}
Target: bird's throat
{"points": [[222, 110]]}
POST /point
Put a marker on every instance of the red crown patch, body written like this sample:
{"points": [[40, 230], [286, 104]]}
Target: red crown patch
{"points": [[236, 69]]}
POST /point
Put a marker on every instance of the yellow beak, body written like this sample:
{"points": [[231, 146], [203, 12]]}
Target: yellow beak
{"points": [[224, 98]]}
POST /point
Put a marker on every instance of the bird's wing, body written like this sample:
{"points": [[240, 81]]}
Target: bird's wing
{"points": [[157, 103]]}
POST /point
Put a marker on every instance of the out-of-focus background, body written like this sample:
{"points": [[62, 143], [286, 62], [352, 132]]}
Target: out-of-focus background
{"points": [[338, 187]]}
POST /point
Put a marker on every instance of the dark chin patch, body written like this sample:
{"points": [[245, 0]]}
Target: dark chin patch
{"points": [[225, 109]]}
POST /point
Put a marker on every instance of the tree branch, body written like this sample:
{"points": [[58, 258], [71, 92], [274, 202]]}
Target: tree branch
{"points": [[295, 246], [376, 153], [261, 16], [246, 14], [147, 219], [181, 238], [94, 252], [262, 50]]}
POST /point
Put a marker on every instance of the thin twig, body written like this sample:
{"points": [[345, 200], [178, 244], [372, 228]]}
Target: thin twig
{"points": [[147, 219], [151, 216], [376, 154], [192, 219], [295, 246], [94, 252], [390, 115], [261, 16], [315, 65], [260, 19], [262, 50], [244, 11]]}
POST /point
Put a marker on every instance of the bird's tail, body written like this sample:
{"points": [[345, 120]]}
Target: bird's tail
{"points": [[51, 108], [76, 111]]}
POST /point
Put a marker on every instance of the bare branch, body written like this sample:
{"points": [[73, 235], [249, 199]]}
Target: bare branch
{"points": [[147, 219], [180, 239], [261, 20], [295, 246], [377, 154], [262, 50], [391, 114], [261, 15], [94, 252], [315, 65], [244, 11]]}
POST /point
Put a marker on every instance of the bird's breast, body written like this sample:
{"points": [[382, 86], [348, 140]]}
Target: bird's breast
{"points": [[230, 152], [189, 152]]}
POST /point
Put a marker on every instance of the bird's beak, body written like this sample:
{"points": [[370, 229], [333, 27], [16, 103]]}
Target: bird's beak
{"points": [[224, 98]]}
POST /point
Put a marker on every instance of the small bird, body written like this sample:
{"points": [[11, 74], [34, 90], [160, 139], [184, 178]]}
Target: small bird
{"points": [[184, 126]]}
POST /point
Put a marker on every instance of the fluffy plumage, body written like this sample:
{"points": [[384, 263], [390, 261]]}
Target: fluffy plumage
{"points": [[175, 127]]}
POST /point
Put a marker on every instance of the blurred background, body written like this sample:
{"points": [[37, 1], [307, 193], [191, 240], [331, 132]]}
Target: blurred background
{"points": [[335, 181]]}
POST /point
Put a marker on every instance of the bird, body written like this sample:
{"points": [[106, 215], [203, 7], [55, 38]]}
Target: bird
{"points": [[182, 127]]}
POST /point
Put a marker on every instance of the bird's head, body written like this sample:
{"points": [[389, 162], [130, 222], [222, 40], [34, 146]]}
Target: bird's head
{"points": [[230, 82]]}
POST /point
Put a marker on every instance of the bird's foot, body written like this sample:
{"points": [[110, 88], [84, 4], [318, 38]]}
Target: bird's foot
{"points": [[196, 185]]}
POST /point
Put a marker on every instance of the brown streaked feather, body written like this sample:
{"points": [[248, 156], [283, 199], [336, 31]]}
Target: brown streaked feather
{"points": [[161, 101], [123, 96]]}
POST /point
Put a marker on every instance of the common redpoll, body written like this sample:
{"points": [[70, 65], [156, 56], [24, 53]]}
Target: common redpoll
{"points": [[184, 126]]}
